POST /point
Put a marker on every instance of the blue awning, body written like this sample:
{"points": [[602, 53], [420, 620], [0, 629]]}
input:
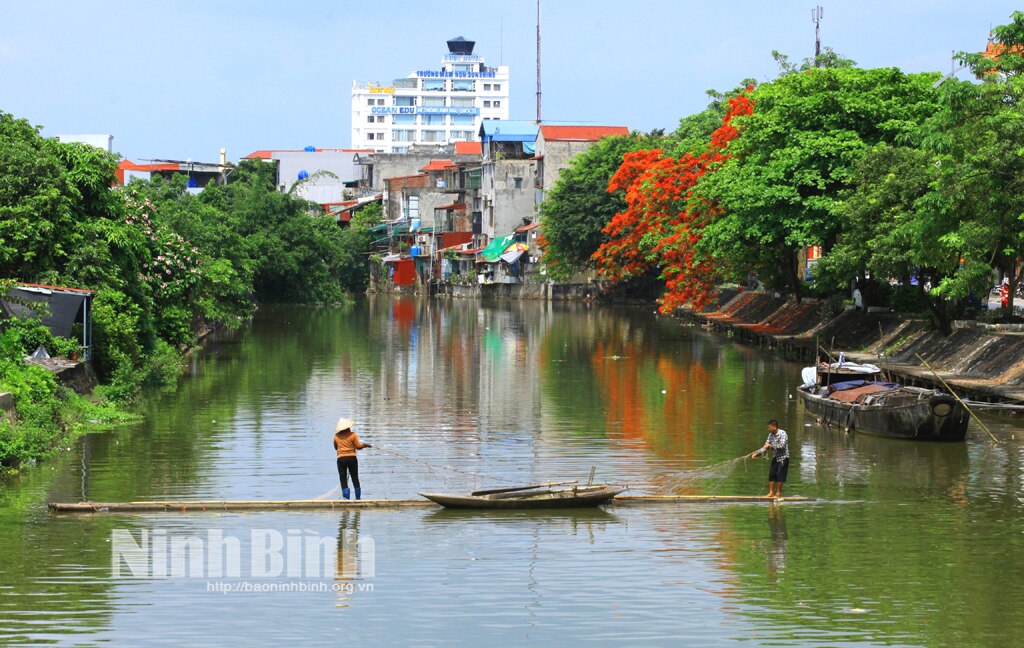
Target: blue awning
{"points": [[508, 130]]}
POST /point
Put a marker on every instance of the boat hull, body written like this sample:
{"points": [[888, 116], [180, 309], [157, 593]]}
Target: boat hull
{"points": [[901, 418], [564, 499]]}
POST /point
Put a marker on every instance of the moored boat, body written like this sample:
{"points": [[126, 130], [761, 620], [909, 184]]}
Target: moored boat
{"points": [[529, 497], [887, 409]]}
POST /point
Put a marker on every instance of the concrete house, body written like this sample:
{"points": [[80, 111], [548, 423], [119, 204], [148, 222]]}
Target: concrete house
{"points": [[557, 145]]}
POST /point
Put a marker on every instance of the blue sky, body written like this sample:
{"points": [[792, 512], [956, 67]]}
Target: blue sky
{"points": [[181, 79]]}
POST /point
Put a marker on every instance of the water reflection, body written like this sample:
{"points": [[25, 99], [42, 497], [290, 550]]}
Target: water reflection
{"points": [[779, 540], [355, 559], [927, 539]]}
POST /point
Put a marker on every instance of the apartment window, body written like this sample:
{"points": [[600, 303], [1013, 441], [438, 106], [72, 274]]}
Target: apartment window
{"points": [[399, 149], [369, 102], [463, 85], [412, 207], [408, 120], [433, 101], [432, 120], [497, 87], [518, 182], [487, 104], [463, 101], [405, 101], [433, 85], [497, 104], [462, 135], [369, 119], [433, 136], [403, 135], [380, 102], [370, 136], [463, 120], [487, 87], [380, 119]]}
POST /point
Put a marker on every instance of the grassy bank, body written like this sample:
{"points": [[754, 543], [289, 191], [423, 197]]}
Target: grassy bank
{"points": [[47, 415]]}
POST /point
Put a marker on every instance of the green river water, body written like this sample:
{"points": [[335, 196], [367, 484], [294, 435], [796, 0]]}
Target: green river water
{"points": [[908, 544]]}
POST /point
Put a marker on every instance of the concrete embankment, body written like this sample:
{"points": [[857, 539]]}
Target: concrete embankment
{"points": [[982, 362]]}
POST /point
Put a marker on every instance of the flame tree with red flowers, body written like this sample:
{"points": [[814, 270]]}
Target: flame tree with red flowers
{"points": [[662, 224]]}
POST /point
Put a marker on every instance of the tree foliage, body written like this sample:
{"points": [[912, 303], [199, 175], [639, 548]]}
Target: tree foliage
{"points": [[578, 207], [164, 262], [779, 188]]}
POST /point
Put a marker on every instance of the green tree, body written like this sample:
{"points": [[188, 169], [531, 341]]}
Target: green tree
{"points": [[979, 137], [896, 225], [797, 153]]}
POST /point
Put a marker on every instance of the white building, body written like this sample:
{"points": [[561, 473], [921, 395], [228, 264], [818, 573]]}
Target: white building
{"points": [[105, 142], [430, 107]]}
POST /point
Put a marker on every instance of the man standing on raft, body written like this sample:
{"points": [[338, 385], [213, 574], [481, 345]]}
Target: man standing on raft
{"points": [[346, 443], [778, 442]]}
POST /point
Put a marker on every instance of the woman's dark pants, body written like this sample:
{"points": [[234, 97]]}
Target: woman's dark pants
{"points": [[351, 465]]}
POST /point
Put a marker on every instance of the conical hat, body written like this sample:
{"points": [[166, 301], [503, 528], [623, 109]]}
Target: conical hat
{"points": [[343, 424]]}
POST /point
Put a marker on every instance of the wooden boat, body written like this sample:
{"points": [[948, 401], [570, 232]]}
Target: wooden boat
{"points": [[888, 410], [535, 496]]}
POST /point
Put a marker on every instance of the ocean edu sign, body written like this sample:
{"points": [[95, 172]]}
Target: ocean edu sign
{"points": [[425, 110], [458, 74]]}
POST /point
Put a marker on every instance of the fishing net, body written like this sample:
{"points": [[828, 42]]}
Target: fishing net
{"points": [[687, 479]]}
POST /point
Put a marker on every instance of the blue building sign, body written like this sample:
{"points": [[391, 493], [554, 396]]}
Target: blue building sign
{"points": [[424, 110], [441, 74]]}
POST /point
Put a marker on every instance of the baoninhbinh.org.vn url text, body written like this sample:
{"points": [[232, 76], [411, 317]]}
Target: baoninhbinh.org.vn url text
{"points": [[241, 587]]}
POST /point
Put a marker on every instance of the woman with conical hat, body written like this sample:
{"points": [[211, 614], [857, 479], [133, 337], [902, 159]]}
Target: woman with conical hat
{"points": [[346, 443]]}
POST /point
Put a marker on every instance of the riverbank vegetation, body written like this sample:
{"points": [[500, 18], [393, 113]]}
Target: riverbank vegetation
{"points": [[907, 184], [166, 265]]}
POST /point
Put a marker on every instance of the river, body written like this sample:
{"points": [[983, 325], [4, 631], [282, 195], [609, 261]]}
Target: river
{"points": [[907, 544]]}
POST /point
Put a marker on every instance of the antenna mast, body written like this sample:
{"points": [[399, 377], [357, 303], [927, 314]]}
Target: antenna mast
{"points": [[538, 61], [816, 15]]}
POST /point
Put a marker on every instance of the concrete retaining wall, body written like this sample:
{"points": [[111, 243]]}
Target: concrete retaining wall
{"points": [[983, 363]]}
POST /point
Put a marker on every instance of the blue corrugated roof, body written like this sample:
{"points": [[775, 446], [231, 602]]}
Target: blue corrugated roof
{"points": [[508, 130]]}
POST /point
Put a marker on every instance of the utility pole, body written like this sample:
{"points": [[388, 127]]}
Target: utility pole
{"points": [[816, 15], [538, 61]]}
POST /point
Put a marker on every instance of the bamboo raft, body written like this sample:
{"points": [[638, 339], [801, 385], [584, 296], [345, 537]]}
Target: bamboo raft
{"points": [[210, 506]]}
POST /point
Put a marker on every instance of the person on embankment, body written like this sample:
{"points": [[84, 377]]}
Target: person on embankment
{"points": [[346, 443], [778, 443]]}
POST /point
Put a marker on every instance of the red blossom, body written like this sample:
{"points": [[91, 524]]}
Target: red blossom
{"points": [[664, 219]]}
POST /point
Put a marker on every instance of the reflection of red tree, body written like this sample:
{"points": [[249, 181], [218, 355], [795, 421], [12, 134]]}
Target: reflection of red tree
{"points": [[663, 422], [686, 400], [620, 391]]}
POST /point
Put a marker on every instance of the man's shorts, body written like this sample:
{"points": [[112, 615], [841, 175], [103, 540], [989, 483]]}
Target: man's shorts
{"points": [[778, 470]]}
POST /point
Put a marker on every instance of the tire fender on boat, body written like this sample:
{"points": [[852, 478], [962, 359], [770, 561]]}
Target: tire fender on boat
{"points": [[942, 405]]}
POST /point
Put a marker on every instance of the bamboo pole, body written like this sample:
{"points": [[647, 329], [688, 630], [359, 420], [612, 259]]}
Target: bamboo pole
{"points": [[208, 506], [969, 410]]}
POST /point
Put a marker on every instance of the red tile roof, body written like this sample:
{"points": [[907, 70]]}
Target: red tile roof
{"points": [[438, 165], [468, 148], [527, 228], [454, 205], [581, 133]]}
